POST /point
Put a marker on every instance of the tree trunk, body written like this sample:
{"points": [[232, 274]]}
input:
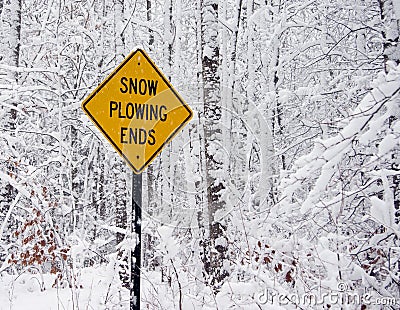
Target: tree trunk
{"points": [[120, 167], [148, 15], [390, 17], [9, 55], [213, 138], [391, 25], [10, 44]]}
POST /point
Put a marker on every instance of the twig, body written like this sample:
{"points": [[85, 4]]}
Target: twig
{"points": [[179, 285]]}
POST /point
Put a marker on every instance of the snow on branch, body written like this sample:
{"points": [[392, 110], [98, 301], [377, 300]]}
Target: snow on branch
{"points": [[365, 123]]}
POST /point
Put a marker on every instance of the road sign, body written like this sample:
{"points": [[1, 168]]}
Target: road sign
{"points": [[137, 110]]}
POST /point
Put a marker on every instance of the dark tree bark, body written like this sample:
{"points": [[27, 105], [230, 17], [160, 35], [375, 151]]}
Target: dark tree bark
{"points": [[391, 32], [213, 138], [391, 53], [9, 54], [121, 193]]}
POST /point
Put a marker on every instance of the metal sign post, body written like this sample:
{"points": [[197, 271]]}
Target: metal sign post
{"points": [[136, 255]]}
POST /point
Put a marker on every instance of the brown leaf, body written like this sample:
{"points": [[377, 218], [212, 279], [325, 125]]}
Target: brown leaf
{"points": [[288, 277], [278, 267]]}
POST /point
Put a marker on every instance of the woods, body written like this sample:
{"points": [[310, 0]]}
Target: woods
{"points": [[286, 180]]}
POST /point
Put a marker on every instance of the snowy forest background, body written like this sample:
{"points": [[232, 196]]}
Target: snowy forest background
{"points": [[286, 179]]}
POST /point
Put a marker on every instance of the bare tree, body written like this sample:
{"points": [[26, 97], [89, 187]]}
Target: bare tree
{"points": [[120, 167], [9, 55], [213, 136]]}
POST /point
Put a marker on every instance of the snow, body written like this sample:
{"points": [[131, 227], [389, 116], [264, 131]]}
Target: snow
{"points": [[387, 144], [221, 241], [96, 288], [396, 8], [380, 211], [168, 245], [208, 51], [308, 195]]}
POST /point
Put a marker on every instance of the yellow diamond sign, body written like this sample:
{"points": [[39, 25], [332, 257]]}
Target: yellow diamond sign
{"points": [[137, 110]]}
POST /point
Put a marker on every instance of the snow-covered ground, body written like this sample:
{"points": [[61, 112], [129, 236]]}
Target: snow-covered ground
{"points": [[96, 288]]}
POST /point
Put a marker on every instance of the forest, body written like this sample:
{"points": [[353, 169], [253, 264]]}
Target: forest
{"points": [[281, 192]]}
